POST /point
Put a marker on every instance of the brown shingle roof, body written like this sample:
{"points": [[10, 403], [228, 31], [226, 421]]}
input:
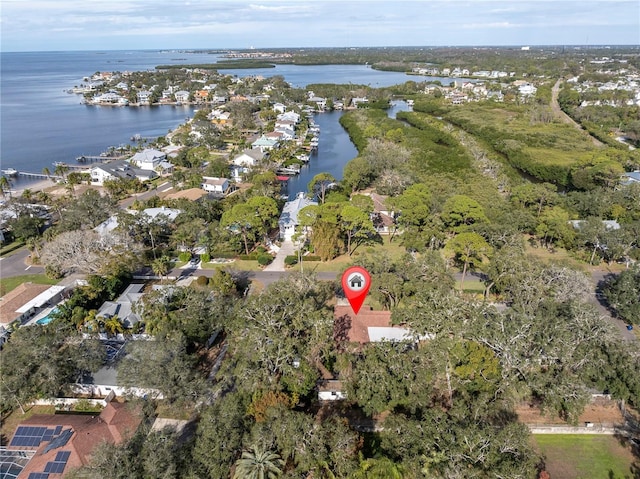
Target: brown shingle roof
{"points": [[351, 327], [191, 194], [116, 423], [18, 297]]}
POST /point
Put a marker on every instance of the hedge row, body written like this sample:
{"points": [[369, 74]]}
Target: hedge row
{"points": [[293, 259]]}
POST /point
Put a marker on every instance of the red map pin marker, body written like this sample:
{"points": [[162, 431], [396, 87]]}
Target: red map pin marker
{"points": [[355, 284]]}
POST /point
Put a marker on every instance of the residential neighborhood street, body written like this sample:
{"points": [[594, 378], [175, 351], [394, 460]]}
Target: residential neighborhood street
{"points": [[16, 265]]}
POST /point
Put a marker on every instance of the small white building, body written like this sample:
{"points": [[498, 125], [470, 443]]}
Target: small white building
{"points": [[219, 186], [330, 390]]}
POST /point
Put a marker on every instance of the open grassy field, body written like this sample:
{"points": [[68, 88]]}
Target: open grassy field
{"points": [[584, 456], [544, 149], [8, 284]]}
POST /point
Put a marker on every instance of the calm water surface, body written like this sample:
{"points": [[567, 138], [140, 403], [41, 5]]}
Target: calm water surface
{"points": [[40, 123]]}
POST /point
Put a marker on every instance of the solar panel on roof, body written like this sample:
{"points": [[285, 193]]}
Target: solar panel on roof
{"points": [[57, 430], [59, 441], [63, 456], [38, 475], [30, 436], [55, 467]]}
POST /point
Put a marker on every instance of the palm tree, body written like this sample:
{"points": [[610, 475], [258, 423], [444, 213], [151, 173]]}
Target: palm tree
{"points": [[160, 266], [113, 325], [61, 170], [257, 463], [5, 185], [47, 172]]}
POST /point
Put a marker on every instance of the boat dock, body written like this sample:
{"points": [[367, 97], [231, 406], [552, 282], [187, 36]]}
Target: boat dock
{"points": [[91, 158], [42, 176]]}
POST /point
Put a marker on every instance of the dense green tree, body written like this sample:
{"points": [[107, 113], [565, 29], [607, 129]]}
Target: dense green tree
{"points": [[460, 211], [356, 225], [535, 195], [320, 184], [281, 339], [162, 365], [358, 174], [469, 249], [326, 237], [554, 228], [219, 436], [41, 360], [623, 294]]}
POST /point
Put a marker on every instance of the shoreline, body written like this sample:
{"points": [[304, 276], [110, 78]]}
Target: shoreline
{"points": [[33, 187]]}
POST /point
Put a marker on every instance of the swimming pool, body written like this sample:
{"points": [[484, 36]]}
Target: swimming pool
{"points": [[48, 318]]}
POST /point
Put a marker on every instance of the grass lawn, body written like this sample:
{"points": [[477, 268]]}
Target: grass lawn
{"points": [[11, 248], [584, 456], [10, 423], [238, 264], [471, 285], [391, 248], [8, 284]]}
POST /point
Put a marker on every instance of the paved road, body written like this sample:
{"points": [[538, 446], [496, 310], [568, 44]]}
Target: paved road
{"points": [[15, 264]]}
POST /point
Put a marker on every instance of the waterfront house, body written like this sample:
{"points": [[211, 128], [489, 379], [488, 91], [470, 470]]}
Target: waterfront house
{"points": [[321, 103], [109, 98], [217, 186], [182, 96], [288, 222], [289, 116], [151, 159], [144, 97], [119, 169], [357, 101], [265, 143]]}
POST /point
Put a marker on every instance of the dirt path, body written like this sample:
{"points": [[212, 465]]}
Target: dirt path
{"points": [[563, 116]]}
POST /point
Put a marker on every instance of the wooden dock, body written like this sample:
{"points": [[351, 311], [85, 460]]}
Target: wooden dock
{"points": [[38, 175], [91, 158]]}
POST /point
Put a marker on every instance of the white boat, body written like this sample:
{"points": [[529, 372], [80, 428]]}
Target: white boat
{"points": [[10, 172]]}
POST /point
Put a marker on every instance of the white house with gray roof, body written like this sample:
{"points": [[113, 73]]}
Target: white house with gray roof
{"points": [[288, 221], [151, 159], [118, 169]]}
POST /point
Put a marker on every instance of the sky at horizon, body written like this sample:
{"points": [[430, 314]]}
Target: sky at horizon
{"points": [[52, 25]]}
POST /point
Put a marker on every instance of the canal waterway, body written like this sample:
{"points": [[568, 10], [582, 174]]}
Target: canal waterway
{"points": [[335, 149], [40, 123]]}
